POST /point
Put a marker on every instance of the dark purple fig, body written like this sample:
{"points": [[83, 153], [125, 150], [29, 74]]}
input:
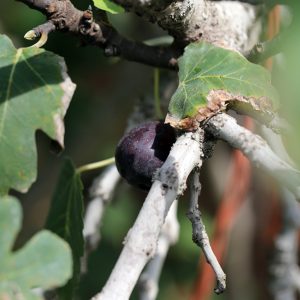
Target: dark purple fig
{"points": [[142, 151]]}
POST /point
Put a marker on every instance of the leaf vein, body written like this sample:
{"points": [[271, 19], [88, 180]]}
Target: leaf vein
{"points": [[8, 91]]}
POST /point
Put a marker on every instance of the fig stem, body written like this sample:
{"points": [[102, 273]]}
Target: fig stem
{"points": [[156, 76], [95, 165], [31, 35]]}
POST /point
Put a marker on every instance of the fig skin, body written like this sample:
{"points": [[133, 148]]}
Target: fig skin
{"points": [[142, 151]]}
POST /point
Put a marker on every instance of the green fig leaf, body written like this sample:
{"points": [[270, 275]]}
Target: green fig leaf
{"points": [[211, 78], [66, 219], [45, 261], [109, 6], [35, 92]]}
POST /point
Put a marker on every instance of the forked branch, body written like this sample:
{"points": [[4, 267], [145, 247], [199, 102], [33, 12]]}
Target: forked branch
{"points": [[200, 236]]}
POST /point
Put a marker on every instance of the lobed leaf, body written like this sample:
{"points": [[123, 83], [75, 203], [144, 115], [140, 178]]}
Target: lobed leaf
{"points": [[212, 77], [35, 92], [44, 262]]}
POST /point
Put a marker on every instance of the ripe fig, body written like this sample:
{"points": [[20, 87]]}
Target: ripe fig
{"points": [[142, 151]]}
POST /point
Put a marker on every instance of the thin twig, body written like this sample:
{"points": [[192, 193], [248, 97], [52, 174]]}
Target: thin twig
{"points": [[101, 193], [235, 194], [200, 236], [148, 282], [264, 50]]}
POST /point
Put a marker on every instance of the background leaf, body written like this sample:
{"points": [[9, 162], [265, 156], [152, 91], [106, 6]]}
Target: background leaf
{"points": [[35, 92], [45, 261], [210, 77], [109, 6], [286, 76], [66, 219]]}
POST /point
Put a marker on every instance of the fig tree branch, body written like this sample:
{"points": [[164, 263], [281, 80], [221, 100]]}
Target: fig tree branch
{"points": [[63, 16], [234, 195], [228, 24], [141, 241], [148, 282], [224, 127], [101, 193], [264, 50], [200, 236]]}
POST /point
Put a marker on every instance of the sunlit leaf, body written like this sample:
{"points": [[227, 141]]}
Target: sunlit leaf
{"points": [[287, 74], [109, 6], [210, 78], [35, 92]]}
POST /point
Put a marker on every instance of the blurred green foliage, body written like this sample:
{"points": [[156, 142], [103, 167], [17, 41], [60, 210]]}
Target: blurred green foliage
{"points": [[288, 79]]}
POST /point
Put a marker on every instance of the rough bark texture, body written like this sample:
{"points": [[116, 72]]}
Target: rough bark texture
{"points": [[231, 24]]}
